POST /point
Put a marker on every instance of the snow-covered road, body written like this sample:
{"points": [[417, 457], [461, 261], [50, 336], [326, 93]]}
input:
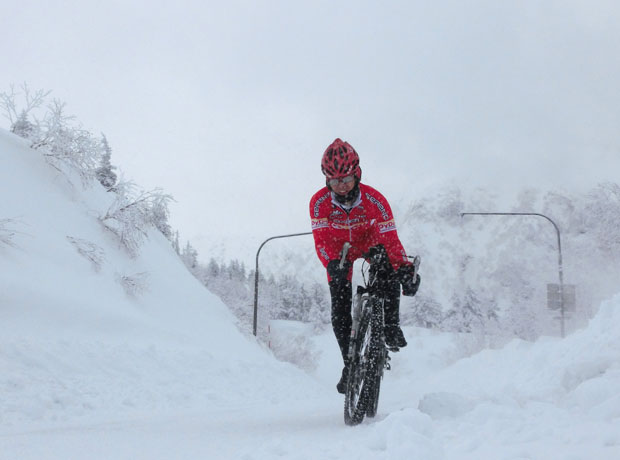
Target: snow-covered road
{"points": [[436, 404]]}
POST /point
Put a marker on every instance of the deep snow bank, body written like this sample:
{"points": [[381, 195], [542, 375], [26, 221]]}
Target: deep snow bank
{"points": [[551, 369], [75, 342], [552, 398]]}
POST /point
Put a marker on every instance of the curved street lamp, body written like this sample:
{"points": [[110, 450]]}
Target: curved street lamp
{"points": [[557, 230], [254, 327]]}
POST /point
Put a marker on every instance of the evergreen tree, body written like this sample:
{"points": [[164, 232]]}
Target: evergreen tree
{"points": [[189, 256], [175, 244], [469, 313], [23, 127], [423, 311], [213, 269], [320, 309], [105, 172]]}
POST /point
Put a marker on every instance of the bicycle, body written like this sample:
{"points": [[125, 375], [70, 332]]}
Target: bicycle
{"points": [[368, 353]]}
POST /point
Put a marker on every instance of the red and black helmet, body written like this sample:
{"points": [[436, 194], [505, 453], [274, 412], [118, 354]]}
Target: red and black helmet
{"points": [[340, 160]]}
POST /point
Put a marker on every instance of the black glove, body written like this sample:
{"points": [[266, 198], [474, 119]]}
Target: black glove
{"points": [[405, 275], [336, 273]]}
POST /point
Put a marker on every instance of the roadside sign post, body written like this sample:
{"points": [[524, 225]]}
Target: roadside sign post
{"points": [[568, 298]]}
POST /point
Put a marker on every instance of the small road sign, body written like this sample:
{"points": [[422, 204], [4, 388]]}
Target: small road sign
{"points": [[554, 302]]}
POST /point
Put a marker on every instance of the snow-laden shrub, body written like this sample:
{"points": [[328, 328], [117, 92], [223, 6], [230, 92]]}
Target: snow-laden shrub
{"points": [[90, 251], [64, 143], [20, 115], [8, 232], [135, 284], [133, 212]]}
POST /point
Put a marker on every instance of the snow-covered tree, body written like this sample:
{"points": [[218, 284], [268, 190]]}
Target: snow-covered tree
{"points": [[601, 215], [422, 311], [160, 212], [319, 309], [65, 144], [213, 269], [21, 117], [105, 172], [470, 313], [23, 127], [175, 243], [133, 212], [189, 256]]}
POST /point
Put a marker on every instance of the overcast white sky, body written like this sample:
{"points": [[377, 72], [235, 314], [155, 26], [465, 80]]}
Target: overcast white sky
{"points": [[229, 105]]}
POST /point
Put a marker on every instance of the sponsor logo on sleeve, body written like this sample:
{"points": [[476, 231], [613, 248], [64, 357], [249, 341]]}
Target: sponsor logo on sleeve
{"points": [[320, 223], [387, 226]]}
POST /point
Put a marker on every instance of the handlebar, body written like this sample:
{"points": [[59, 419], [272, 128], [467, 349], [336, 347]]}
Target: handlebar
{"points": [[377, 254]]}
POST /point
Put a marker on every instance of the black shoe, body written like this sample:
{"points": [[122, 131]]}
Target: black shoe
{"points": [[341, 386], [394, 337]]}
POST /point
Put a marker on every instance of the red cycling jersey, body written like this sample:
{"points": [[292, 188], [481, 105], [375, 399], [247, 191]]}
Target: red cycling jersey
{"points": [[367, 223]]}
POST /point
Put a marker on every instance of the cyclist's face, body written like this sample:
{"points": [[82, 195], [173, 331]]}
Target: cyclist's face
{"points": [[342, 187]]}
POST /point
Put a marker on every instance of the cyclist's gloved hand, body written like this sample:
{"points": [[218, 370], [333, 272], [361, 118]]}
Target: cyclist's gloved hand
{"points": [[405, 275], [335, 272]]}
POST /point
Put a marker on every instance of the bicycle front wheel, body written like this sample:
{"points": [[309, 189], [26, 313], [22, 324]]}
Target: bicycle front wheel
{"points": [[364, 372]]}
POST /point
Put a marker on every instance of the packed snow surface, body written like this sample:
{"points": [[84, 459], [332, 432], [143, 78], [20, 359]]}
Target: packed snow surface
{"points": [[90, 369]]}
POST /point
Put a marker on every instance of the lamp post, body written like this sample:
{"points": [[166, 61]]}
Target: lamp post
{"points": [[256, 274], [557, 230]]}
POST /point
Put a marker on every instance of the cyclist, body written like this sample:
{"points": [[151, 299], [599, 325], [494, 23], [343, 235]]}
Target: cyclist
{"points": [[347, 210]]}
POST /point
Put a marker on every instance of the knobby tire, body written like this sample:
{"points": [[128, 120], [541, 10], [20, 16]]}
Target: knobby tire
{"points": [[364, 380], [380, 356]]}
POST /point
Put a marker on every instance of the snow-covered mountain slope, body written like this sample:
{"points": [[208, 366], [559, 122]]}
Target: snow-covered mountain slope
{"points": [[76, 339]]}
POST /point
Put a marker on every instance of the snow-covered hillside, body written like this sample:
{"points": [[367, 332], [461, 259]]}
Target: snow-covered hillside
{"points": [[88, 331], [103, 355]]}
